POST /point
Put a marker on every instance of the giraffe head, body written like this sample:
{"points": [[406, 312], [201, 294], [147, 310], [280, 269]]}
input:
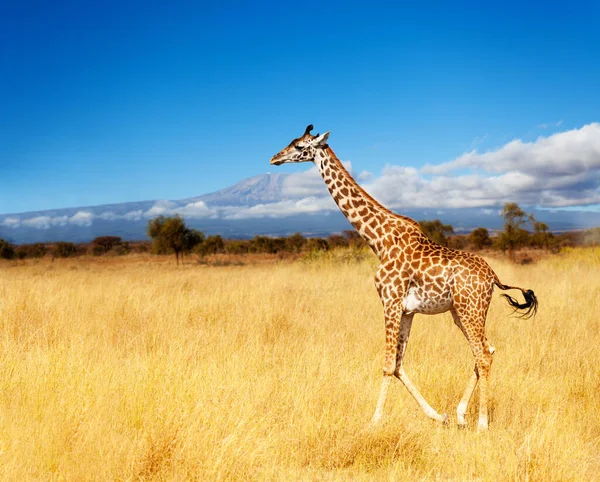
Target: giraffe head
{"points": [[302, 149]]}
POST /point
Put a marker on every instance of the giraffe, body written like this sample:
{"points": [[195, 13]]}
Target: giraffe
{"points": [[415, 275]]}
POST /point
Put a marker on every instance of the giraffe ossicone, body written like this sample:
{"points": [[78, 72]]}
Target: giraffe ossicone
{"points": [[415, 275]]}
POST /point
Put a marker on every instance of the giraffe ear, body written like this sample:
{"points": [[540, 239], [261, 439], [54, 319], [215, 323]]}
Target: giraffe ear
{"points": [[321, 140]]}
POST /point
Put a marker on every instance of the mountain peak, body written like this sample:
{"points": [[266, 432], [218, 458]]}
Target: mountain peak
{"points": [[261, 189]]}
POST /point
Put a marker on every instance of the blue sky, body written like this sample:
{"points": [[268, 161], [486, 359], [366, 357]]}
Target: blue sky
{"points": [[105, 102]]}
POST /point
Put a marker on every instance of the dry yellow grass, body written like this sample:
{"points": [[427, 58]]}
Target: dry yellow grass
{"points": [[139, 370]]}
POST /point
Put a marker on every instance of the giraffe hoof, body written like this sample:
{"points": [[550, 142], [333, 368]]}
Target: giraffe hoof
{"points": [[371, 427], [482, 428], [462, 426]]}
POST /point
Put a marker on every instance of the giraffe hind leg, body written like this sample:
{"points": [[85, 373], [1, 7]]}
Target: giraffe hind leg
{"points": [[482, 352], [461, 410], [473, 327], [484, 363], [463, 405]]}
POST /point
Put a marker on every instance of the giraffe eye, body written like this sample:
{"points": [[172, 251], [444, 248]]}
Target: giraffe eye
{"points": [[299, 148]]}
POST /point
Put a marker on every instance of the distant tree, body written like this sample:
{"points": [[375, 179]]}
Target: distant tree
{"points": [[570, 239], [279, 245], [211, 245], [65, 250], [437, 231], [36, 250], [295, 242], [511, 240], [6, 250], [513, 236], [542, 237], [355, 240], [479, 238], [592, 236], [236, 247], [106, 243], [316, 244], [337, 241], [261, 244], [170, 234], [123, 248], [458, 241], [98, 250], [191, 239], [160, 244], [513, 215]]}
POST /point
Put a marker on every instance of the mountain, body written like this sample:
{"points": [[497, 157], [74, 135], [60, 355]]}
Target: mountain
{"points": [[267, 188], [271, 204]]}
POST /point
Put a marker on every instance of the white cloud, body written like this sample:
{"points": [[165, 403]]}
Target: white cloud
{"points": [[304, 184], [133, 215], [545, 125], [59, 220], [563, 153], [559, 170], [364, 176], [160, 207], [11, 222], [82, 218], [309, 205], [478, 140], [130, 216], [46, 222], [39, 222], [197, 209], [108, 216], [307, 183]]}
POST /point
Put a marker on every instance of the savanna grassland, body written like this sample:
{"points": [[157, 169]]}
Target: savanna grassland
{"points": [[135, 369]]}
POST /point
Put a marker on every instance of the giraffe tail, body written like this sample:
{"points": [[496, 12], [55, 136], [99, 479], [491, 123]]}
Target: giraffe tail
{"points": [[528, 308]]}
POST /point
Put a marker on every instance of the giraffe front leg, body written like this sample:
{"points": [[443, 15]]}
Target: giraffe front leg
{"points": [[392, 327], [404, 333], [385, 385]]}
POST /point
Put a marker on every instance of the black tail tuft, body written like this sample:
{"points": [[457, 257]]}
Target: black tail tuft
{"points": [[529, 308]]}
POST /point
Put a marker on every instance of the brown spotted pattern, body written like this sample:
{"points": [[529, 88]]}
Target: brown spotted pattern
{"points": [[415, 275]]}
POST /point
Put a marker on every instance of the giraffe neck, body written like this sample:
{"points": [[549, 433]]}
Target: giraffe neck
{"points": [[368, 216]]}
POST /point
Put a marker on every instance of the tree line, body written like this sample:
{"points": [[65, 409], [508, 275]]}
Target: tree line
{"points": [[170, 235], [513, 236]]}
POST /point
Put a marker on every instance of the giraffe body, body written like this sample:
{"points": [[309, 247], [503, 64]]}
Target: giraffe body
{"points": [[415, 275]]}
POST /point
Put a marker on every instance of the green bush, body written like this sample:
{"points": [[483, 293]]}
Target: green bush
{"points": [[65, 250], [36, 250], [479, 238], [6, 250]]}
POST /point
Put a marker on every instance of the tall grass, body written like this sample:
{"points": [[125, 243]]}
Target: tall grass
{"points": [[141, 370]]}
